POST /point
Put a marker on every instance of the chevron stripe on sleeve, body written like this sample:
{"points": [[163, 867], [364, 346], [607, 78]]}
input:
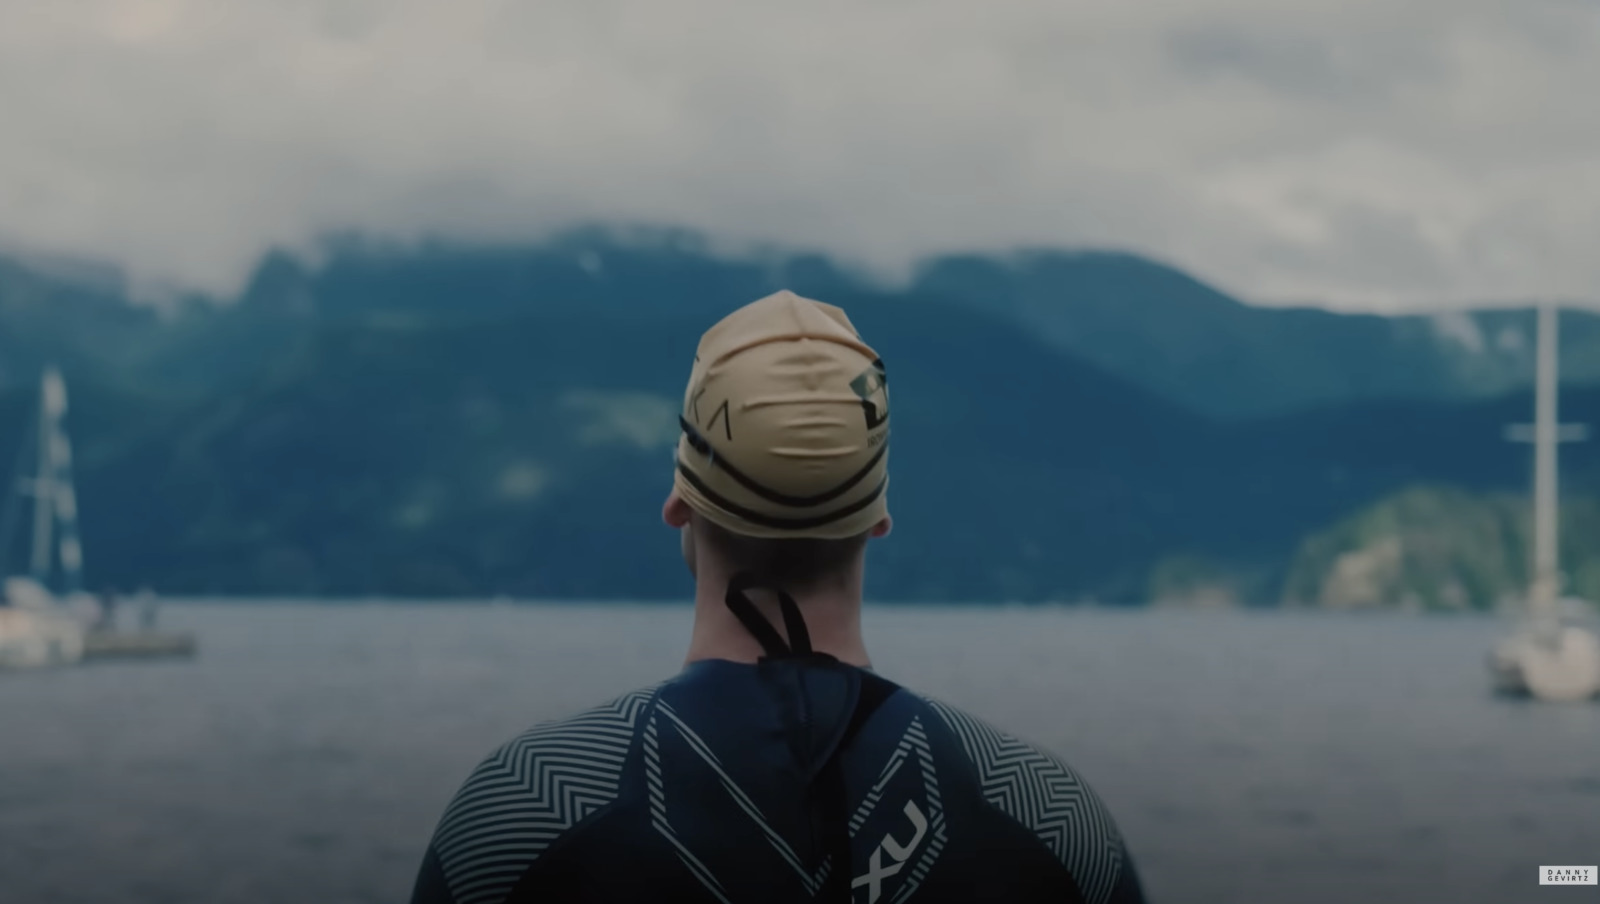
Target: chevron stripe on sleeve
{"points": [[1044, 794], [528, 793]]}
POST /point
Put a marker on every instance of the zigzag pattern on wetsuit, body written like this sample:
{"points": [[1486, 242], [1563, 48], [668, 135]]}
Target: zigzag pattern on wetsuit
{"points": [[516, 831], [1042, 793], [529, 792]]}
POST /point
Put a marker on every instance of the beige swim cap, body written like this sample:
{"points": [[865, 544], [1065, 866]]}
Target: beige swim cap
{"points": [[786, 424]]}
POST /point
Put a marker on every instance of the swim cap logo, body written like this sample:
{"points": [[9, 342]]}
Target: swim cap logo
{"points": [[722, 412], [870, 384]]}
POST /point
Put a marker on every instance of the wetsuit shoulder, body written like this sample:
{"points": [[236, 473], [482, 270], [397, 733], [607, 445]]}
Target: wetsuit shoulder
{"points": [[1052, 801], [526, 797]]}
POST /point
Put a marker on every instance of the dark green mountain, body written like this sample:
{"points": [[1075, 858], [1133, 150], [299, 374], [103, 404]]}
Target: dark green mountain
{"points": [[1147, 323], [1184, 340], [445, 421], [530, 456], [1438, 547], [75, 315]]}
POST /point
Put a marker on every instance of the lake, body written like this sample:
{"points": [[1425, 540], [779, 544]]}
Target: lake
{"points": [[1248, 757]]}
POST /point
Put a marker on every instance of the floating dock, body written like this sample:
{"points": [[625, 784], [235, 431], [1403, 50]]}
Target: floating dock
{"points": [[138, 645]]}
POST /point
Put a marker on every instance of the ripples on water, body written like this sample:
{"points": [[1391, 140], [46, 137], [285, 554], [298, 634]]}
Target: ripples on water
{"points": [[1248, 757]]}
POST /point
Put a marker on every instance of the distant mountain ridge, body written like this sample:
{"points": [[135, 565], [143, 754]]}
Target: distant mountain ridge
{"points": [[1138, 319], [83, 324], [1191, 343], [1148, 323], [470, 421]]}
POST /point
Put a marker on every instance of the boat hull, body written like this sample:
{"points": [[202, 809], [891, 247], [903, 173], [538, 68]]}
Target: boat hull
{"points": [[32, 639], [1555, 664]]}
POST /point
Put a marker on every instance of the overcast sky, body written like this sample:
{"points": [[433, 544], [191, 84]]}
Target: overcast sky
{"points": [[1367, 154]]}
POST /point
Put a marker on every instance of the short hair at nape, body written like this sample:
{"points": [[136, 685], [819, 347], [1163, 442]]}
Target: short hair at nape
{"points": [[789, 562]]}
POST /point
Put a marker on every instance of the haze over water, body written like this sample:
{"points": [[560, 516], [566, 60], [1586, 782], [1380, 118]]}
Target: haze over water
{"points": [[305, 756]]}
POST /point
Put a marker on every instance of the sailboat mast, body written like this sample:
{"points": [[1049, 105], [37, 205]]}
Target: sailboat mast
{"points": [[1546, 568], [68, 547], [50, 392]]}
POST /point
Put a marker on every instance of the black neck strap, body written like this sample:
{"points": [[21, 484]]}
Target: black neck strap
{"points": [[832, 800], [799, 643]]}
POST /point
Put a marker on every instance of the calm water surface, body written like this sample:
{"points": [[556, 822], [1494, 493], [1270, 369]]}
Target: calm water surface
{"points": [[305, 756]]}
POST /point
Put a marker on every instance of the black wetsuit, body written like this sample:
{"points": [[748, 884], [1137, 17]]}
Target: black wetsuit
{"points": [[752, 783]]}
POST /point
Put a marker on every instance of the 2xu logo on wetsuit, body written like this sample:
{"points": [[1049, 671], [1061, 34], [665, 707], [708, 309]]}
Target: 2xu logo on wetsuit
{"points": [[876, 870]]}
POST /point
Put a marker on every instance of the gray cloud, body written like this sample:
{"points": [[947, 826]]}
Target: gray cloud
{"points": [[1363, 153]]}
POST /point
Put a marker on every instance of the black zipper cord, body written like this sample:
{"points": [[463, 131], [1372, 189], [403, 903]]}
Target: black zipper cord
{"points": [[830, 796]]}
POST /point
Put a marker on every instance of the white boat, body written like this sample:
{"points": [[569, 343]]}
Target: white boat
{"points": [[39, 627], [1555, 654], [36, 629]]}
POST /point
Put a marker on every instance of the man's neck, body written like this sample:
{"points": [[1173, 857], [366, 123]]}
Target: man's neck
{"points": [[832, 614]]}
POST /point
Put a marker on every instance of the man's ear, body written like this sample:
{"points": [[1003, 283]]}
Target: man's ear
{"points": [[675, 512], [882, 528]]}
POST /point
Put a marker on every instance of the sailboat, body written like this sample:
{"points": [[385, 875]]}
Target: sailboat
{"points": [[1555, 654], [37, 626]]}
